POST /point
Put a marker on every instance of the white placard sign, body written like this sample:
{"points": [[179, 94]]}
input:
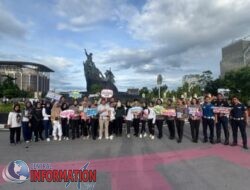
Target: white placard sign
{"points": [[53, 95], [107, 93]]}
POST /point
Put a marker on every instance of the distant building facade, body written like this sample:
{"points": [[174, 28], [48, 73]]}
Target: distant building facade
{"points": [[192, 79], [133, 91], [28, 76], [235, 56]]}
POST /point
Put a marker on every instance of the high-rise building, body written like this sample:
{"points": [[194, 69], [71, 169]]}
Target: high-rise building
{"points": [[235, 56], [28, 76]]}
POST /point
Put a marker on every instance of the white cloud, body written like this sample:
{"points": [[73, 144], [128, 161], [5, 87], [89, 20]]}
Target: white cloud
{"points": [[10, 25]]}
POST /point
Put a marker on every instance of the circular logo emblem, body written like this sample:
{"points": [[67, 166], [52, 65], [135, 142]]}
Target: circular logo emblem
{"points": [[16, 172]]}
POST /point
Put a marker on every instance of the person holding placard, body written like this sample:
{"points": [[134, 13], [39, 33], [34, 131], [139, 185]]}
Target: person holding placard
{"points": [[103, 109], [159, 109], [136, 110], [128, 118], [239, 118], [181, 114], [221, 118], [94, 120], [65, 121], [170, 114], [194, 112], [75, 120], [83, 120], [208, 119]]}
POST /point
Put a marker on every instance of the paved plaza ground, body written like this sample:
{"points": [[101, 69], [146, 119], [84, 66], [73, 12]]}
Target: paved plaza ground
{"points": [[136, 164]]}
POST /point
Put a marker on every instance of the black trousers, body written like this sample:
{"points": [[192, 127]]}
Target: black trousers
{"points": [[118, 125], [143, 126], [222, 121], [151, 127], [242, 126], [112, 128], [84, 128], [179, 128], [194, 125], [129, 124], [15, 131], [75, 128], [94, 127], [136, 124], [159, 124], [171, 129], [38, 129], [65, 127], [206, 123]]}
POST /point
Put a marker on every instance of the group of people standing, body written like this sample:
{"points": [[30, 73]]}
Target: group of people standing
{"points": [[42, 120]]}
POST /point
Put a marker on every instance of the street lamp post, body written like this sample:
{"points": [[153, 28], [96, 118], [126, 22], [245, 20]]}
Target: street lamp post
{"points": [[159, 82]]}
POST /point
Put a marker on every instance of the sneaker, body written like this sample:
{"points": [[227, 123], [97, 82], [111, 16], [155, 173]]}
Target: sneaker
{"points": [[145, 135], [60, 139], [152, 137], [99, 138], [128, 135], [27, 141], [55, 138], [245, 147], [107, 138], [111, 137], [48, 139], [87, 137], [64, 138], [140, 136], [67, 138]]}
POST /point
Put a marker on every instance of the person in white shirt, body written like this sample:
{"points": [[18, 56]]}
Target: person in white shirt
{"points": [[103, 109], [112, 126], [15, 123], [151, 120]]}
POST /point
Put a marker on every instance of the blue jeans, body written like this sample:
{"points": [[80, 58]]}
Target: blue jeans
{"points": [[47, 127], [27, 133]]}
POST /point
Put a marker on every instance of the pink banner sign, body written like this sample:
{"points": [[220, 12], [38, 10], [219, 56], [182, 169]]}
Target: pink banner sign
{"points": [[169, 112], [223, 110], [67, 113]]}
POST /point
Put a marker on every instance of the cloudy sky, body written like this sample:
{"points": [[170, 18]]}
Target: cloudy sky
{"points": [[137, 39]]}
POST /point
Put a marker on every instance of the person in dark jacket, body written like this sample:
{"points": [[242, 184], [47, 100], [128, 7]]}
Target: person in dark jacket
{"points": [[119, 118], [37, 121]]}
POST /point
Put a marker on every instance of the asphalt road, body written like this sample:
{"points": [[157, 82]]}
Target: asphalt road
{"points": [[136, 164]]}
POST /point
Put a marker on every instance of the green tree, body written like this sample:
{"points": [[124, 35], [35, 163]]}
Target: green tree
{"points": [[205, 78], [95, 88]]}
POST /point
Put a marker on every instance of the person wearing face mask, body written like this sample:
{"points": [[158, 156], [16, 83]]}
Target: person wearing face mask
{"points": [[119, 115], [55, 118], [15, 123], [37, 123], [158, 109], [208, 119], [75, 120], [170, 120], [239, 118], [181, 114], [46, 119], [103, 109], [26, 122], [65, 122]]}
